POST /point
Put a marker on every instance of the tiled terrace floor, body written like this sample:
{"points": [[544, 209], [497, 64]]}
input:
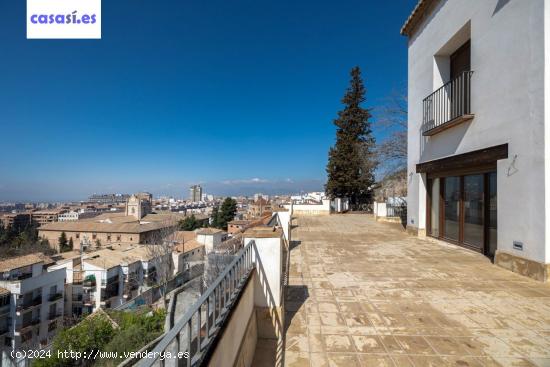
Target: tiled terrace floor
{"points": [[363, 293]]}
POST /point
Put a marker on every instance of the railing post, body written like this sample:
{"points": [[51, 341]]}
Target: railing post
{"points": [[189, 338]]}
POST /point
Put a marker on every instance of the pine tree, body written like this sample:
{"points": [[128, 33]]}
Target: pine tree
{"points": [[62, 241], [351, 162], [71, 244], [215, 217], [227, 212], [189, 223]]}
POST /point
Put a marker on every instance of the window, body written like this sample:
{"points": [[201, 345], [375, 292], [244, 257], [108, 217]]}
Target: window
{"points": [[77, 236], [118, 238], [109, 237], [94, 236], [4, 300]]}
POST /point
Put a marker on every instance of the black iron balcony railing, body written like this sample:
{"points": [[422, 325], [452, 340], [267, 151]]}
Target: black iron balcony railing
{"points": [[28, 323], [200, 325], [32, 303], [54, 315], [55, 296], [77, 297], [448, 105], [88, 300]]}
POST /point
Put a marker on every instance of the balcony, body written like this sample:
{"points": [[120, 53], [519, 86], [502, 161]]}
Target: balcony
{"points": [[89, 282], [27, 325], [88, 300], [448, 106], [54, 315], [4, 310], [55, 297], [77, 298], [23, 306]]}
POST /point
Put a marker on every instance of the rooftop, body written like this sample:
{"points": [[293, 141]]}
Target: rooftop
{"points": [[363, 293], [209, 231], [188, 246], [115, 223], [21, 261], [263, 232], [184, 236], [419, 13], [116, 255], [240, 222]]}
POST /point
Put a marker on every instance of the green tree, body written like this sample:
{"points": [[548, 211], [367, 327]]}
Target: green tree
{"points": [[215, 217], [92, 334], [63, 242], [189, 223], [351, 161], [71, 244], [227, 212]]}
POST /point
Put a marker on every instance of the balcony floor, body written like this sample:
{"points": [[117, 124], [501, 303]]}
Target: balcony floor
{"points": [[363, 293]]}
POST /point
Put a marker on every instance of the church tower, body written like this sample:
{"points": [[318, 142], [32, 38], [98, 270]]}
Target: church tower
{"points": [[133, 207]]}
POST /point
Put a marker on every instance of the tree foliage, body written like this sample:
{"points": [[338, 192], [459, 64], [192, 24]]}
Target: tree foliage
{"points": [[20, 240], [215, 216], [392, 151], [351, 162], [63, 243], [132, 331], [227, 212], [189, 223]]}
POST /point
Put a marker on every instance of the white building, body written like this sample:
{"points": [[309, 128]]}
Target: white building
{"points": [[108, 277], [479, 128], [210, 238], [33, 312], [73, 216]]}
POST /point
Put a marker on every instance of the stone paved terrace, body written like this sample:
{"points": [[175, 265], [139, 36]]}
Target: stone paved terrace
{"points": [[363, 293]]}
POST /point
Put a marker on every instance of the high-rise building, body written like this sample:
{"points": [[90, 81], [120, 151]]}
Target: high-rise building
{"points": [[195, 193]]}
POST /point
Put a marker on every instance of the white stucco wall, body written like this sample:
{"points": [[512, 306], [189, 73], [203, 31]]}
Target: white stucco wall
{"points": [[508, 99], [269, 268], [310, 209]]}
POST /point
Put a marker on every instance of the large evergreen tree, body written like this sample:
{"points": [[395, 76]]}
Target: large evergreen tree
{"points": [[227, 212], [215, 217], [189, 223], [63, 242], [351, 162]]}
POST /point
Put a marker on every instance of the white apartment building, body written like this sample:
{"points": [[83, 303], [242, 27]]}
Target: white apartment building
{"points": [[33, 311], [479, 128], [108, 277], [210, 238], [73, 216]]}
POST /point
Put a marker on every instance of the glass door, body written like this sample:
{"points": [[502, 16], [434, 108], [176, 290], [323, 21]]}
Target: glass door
{"points": [[463, 210], [451, 197], [473, 211], [434, 209], [491, 214]]}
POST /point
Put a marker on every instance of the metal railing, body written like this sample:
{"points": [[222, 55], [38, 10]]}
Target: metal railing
{"points": [[194, 332], [55, 296], [447, 103], [396, 210]]}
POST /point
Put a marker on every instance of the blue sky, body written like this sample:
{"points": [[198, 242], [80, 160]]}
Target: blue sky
{"points": [[237, 95]]}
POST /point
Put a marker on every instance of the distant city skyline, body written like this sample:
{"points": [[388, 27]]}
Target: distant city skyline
{"points": [[247, 187], [213, 92]]}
